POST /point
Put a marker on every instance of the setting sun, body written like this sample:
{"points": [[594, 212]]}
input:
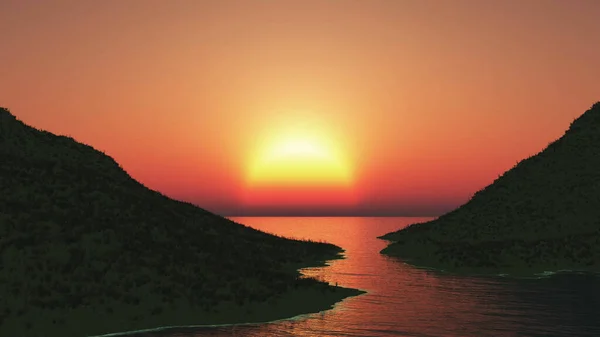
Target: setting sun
{"points": [[301, 164], [299, 161]]}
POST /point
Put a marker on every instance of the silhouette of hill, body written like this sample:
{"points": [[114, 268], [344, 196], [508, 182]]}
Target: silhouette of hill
{"points": [[86, 250], [541, 215]]}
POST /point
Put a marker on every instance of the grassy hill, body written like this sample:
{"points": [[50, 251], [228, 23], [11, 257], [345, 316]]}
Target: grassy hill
{"points": [[87, 250], [541, 215]]}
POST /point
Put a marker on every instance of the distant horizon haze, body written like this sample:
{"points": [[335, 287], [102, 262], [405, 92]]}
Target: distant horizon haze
{"points": [[305, 108]]}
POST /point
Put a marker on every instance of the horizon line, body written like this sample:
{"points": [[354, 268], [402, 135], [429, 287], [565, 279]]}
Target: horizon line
{"points": [[327, 216]]}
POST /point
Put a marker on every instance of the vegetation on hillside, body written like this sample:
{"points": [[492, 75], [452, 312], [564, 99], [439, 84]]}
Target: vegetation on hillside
{"points": [[541, 215], [85, 249]]}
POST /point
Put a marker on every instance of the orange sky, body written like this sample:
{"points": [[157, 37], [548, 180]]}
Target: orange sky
{"points": [[421, 102]]}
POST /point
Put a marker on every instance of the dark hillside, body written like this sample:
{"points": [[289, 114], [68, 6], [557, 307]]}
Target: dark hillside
{"points": [[85, 249], [541, 215]]}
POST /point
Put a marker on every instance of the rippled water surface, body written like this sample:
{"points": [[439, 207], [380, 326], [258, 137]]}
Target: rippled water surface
{"points": [[405, 301]]}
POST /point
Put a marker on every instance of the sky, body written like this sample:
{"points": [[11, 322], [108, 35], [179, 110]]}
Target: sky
{"points": [[307, 107]]}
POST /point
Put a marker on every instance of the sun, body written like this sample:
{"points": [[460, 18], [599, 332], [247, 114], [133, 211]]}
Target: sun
{"points": [[299, 159]]}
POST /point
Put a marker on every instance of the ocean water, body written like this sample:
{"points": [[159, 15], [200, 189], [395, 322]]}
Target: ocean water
{"points": [[407, 301]]}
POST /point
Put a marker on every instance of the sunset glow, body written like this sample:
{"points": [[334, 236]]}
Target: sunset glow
{"points": [[266, 108]]}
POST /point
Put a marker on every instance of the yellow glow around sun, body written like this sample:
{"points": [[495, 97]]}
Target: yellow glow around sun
{"points": [[294, 159]]}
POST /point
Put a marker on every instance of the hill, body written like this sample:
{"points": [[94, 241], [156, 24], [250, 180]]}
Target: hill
{"points": [[541, 215], [87, 250]]}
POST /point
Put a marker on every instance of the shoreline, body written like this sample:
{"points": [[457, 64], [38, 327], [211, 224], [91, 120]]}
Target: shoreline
{"points": [[133, 319], [504, 273], [515, 272], [328, 302], [130, 320], [517, 258]]}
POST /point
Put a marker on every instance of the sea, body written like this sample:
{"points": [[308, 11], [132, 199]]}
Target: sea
{"points": [[403, 300]]}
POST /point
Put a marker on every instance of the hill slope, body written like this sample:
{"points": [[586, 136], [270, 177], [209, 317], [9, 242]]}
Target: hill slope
{"points": [[86, 250], [541, 215]]}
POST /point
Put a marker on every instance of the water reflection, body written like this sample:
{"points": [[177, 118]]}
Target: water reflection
{"points": [[406, 301]]}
